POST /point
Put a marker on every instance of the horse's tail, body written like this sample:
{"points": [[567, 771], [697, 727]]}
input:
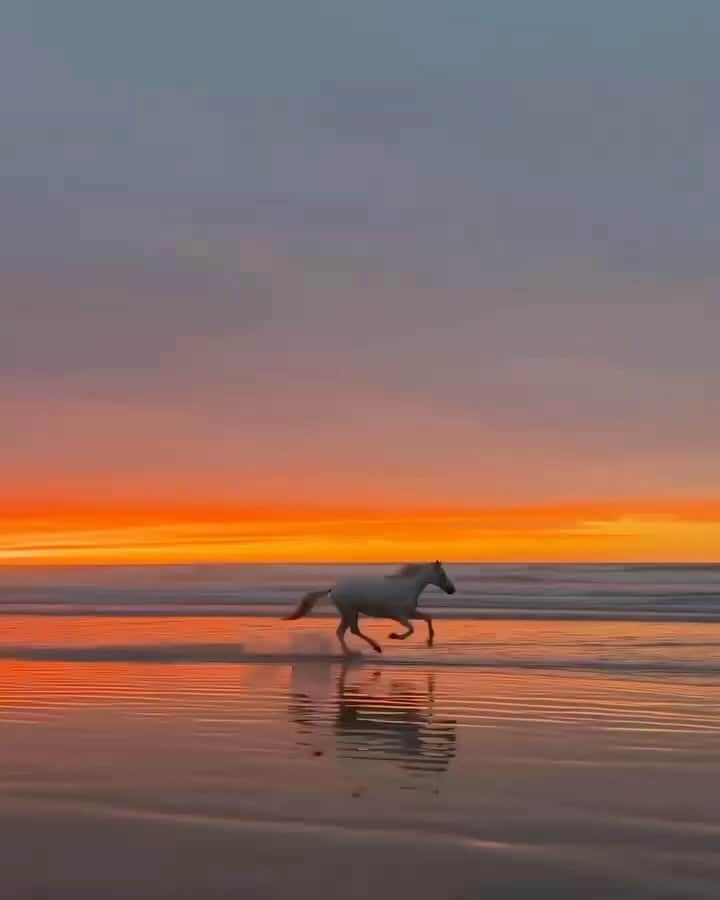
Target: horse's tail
{"points": [[306, 604]]}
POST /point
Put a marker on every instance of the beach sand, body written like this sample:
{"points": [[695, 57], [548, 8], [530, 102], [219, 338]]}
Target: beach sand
{"points": [[495, 768]]}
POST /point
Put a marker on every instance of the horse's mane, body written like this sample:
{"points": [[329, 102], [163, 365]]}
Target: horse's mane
{"points": [[404, 571]]}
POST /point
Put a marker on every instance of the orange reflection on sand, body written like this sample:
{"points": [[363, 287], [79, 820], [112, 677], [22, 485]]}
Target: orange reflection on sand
{"points": [[126, 630], [192, 689], [364, 707]]}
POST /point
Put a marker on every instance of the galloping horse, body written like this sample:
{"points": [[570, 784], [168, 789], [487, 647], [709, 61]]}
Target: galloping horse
{"points": [[385, 597]]}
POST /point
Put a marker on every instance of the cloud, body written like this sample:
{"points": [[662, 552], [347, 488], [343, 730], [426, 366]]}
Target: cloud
{"points": [[408, 250]]}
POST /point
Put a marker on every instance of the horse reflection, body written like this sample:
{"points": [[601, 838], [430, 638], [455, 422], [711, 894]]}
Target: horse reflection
{"points": [[382, 716]]}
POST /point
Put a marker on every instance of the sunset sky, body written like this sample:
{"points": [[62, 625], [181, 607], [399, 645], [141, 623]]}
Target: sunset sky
{"points": [[379, 280]]}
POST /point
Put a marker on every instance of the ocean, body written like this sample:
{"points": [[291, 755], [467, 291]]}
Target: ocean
{"points": [[671, 592]]}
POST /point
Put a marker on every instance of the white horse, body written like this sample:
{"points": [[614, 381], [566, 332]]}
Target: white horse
{"points": [[386, 597]]}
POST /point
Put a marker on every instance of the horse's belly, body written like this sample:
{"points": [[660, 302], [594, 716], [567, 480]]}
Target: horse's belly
{"points": [[379, 607]]}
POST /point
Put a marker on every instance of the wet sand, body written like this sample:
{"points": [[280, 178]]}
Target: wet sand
{"points": [[304, 777]]}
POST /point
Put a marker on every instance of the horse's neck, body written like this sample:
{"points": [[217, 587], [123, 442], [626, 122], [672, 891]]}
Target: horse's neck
{"points": [[420, 582]]}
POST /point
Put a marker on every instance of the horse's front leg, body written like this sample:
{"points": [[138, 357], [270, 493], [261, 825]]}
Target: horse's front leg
{"points": [[431, 631], [406, 634]]}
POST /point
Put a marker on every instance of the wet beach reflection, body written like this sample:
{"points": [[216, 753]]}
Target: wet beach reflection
{"points": [[380, 715]]}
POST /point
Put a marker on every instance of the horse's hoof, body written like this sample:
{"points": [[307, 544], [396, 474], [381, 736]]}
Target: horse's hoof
{"points": [[378, 649], [429, 643], [394, 636]]}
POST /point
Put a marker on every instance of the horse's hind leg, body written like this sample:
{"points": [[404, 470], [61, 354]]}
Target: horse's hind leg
{"points": [[431, 631], [340, 632], [355, 629], [405, 634]]}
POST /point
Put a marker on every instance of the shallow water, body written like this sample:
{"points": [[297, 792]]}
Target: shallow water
{"points": [[596, 645]]}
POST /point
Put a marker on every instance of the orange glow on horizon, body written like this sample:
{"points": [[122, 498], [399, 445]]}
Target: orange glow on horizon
{"points": [[598, 532]]}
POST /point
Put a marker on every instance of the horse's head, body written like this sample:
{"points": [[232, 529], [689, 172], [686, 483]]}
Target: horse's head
{"points": [[440, 578]]}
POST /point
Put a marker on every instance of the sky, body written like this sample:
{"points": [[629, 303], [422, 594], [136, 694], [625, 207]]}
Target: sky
{"points": [[286, 268]]}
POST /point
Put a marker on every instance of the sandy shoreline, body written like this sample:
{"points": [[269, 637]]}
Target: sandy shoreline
{"points": [[295, 779], [86, 854]]}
